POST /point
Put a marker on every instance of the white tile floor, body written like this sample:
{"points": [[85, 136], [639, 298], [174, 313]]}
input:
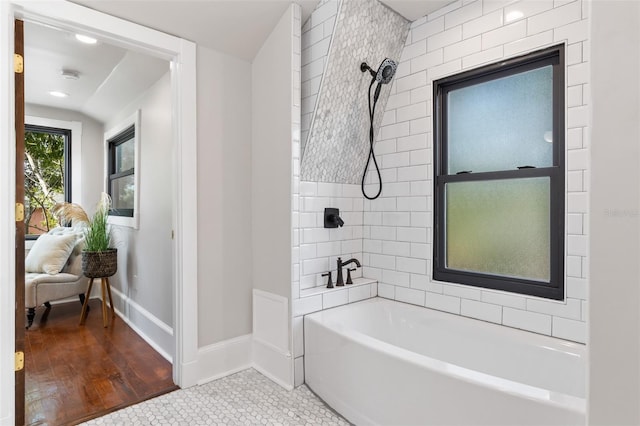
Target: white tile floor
{"points": [[244, 398]]}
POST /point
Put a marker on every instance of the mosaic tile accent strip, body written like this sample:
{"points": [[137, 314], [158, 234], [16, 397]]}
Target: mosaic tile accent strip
{"points": [[338, 144], [317, 34], [244, 398]]}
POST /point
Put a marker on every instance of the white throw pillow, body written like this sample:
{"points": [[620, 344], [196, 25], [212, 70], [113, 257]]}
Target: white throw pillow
{"points": [[50, 253]]}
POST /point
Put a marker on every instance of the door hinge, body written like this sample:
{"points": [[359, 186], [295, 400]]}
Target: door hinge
{"points": [[19, 363], [173, 234], [18, 63], [19, 212]]}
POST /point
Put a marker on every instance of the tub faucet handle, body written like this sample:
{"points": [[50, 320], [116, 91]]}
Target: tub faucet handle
{"points": [[329, 281], [349, 275]]}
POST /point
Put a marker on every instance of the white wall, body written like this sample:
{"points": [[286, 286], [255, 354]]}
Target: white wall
{"points": [[398, 226], [143, 285], [614, 296], [224, 197], [272, 94], [276, 134], [91, 151]]}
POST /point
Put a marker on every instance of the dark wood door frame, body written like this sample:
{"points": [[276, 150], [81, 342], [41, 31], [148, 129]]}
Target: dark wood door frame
{"points": [[19, 253]]}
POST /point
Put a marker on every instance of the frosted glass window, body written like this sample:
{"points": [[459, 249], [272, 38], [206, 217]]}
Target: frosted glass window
{"points": [[499, 178], [499, 227], [502, 124]]}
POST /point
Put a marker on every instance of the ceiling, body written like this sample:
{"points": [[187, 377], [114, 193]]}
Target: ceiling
{"points": [[236, 27], [415, 9], [111, 77]]}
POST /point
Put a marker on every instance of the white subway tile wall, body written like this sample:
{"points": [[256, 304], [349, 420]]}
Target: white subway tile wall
{"points": [[398, 226], [392, 236], [320, 247]]}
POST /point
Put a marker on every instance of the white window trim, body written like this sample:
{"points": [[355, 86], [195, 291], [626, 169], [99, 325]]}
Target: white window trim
{"points": [[133, 119], [76, 150]]}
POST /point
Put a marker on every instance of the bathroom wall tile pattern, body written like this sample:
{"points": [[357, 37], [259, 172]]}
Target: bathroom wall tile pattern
{"points": [[244, 398], [459, 37], [320, 247], [316, 39], [337, 146]]}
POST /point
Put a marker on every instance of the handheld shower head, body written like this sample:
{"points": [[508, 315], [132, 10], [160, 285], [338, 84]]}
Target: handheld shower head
{"points": [[385, 73]]}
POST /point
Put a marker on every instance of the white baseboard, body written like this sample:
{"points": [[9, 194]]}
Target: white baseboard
{"points": [[155, 332], [276, 365], [224, 358]]}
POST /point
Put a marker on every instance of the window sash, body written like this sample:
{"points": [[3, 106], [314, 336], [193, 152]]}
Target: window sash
{"points": [[554, 289], [123, 137]]}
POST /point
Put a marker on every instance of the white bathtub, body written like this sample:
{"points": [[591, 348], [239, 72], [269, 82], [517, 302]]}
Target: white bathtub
{"points": [[390, 363]]}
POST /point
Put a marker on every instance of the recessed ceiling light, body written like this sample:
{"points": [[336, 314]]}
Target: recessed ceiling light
{"points": [[86, 39], [513, 15], [58, 94]]}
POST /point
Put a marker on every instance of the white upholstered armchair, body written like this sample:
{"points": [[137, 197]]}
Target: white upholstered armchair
{"points": [[54, 269]]}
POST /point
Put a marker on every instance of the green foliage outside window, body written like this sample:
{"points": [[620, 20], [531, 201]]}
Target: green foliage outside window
{"points": [[44, 179]]}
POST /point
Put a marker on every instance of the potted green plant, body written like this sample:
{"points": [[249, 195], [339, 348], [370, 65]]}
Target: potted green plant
{"points": [[99, 259]]}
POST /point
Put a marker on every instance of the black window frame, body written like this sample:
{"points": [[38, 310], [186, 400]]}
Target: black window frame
{"points": [[67, 134], [555, 288], [125, 136]]}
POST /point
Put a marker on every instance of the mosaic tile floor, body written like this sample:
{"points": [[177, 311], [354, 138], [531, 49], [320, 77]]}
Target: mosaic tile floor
{"points": [[244, 398]]}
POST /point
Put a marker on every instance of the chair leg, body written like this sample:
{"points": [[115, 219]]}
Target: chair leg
{"points": [[81, 297], [85, 304], [31, 314]]}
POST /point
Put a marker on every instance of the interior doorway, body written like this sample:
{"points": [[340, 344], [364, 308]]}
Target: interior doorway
{"points": [[71, 16], [102, 84]]}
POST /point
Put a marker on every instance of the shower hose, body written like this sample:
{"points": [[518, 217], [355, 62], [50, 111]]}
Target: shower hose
{"points": [[372, 155]]}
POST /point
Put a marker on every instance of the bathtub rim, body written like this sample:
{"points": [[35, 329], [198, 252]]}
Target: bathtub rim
{"points": [[554, 398]]}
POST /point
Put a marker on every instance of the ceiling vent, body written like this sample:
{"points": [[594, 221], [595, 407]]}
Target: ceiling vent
{"points": [[70, 74]]}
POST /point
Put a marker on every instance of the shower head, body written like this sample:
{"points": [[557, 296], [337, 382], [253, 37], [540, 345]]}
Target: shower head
{"points": [[385, 72]]}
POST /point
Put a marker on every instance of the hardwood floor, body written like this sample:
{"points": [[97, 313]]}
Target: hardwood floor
{"points": [[74, 373]]}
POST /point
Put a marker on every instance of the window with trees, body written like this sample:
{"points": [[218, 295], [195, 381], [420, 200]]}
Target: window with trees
{"points": [[47, 166], [499, 176], [121, 176]]}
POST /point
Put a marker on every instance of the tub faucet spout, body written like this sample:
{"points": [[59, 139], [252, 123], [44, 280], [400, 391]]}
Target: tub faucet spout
{"points": [[341, 264]]}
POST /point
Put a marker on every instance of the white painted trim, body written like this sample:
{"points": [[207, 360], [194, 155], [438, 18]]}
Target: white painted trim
{"points": [[76, 150], [182, 54], [153, 325], [271, 338], [185, 196], [271, 321], [132, 120], [224, 358], [274, 364]]}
